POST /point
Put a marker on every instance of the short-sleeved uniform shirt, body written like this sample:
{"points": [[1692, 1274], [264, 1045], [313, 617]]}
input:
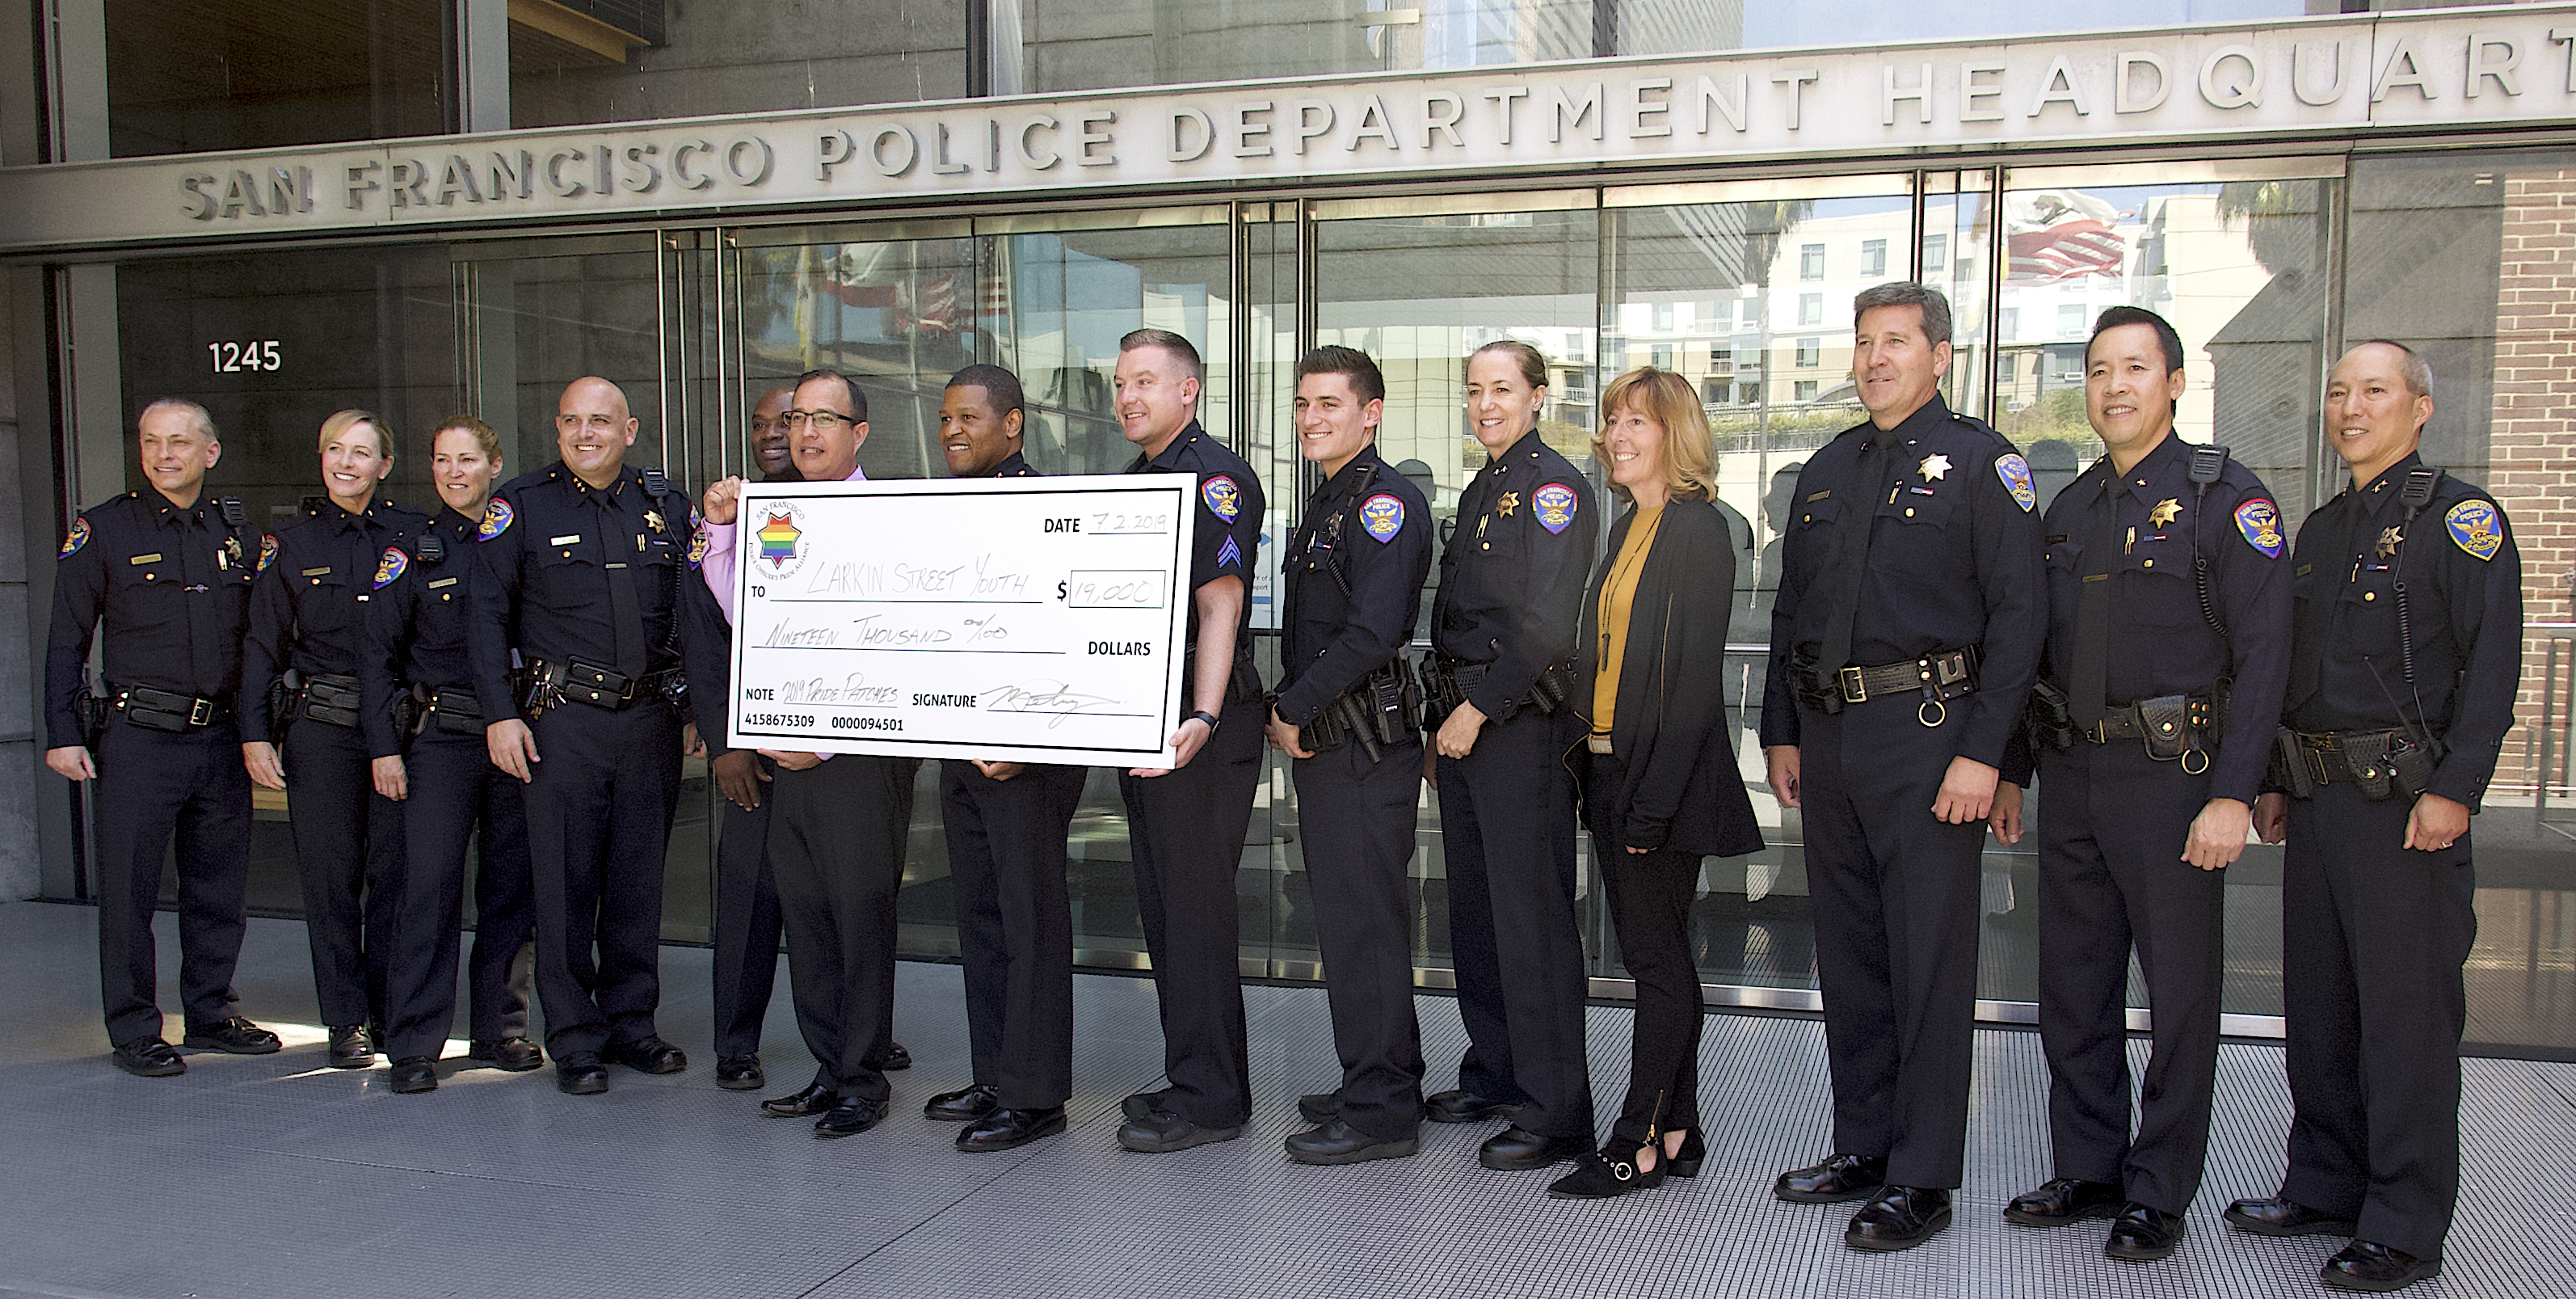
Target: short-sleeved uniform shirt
{"points": [[1228, 538], [1354, 583]]}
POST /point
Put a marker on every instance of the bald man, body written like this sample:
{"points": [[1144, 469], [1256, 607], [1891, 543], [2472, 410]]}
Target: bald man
{"points": [[579, 566]]}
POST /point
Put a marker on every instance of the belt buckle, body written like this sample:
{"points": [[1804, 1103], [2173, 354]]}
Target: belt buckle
{"points": [[201, 712], [1853, 691]]}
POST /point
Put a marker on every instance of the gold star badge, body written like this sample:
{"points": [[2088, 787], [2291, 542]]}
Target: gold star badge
{"points": [[2166, 511], [2388, 539], [1933, 467], [653, 520], [1508, 502]]}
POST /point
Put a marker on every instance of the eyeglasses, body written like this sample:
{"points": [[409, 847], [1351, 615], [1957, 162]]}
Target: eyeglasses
{"points": [[825, 420]]}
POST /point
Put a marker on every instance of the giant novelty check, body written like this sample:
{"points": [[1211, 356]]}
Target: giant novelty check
{"points": [[1013, 619]]}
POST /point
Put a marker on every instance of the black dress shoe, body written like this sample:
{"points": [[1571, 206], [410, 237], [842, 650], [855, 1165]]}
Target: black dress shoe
{"points": [[849, 1118], [1319, 1108], [350, 1048], [1340, 1143], [1516, 1149], [414, 1074], [1899, 1217], [2143, 1235], [1839, 1180], [149, 1057], [740, 1073], [2061, 1200], [898, 1059], [2279, 1215], [1604, 1173], [815, 1099], [580, 1074], [1004, 1129], [647, 1055], [236, 1036], [1160, 1132], [2376, 1269], [965, 1105], [1456, 1106], [515, 1054]]}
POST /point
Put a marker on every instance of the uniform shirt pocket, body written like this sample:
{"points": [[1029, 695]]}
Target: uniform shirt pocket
{"points": [[2367, 608], [2156, 583]]}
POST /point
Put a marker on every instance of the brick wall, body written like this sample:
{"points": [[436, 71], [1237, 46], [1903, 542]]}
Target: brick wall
{"points": [[2532, 461]]}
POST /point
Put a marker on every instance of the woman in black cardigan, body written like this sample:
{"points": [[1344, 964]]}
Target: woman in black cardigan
{"points": [[1660, 789]]}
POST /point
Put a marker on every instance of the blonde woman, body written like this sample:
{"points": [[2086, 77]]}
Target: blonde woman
{"points": [[300, 673], [1660, 788]]}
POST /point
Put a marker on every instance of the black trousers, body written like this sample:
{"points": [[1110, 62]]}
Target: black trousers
{"points": [[349, 857], [747, 924], [599, 825], [836, 840], [1894, 892], [1006, 866], [2112, 826], [1507, 826], [1650, 904], [1186, 830], [2373, 935], [153, 785], [458, 796], [1358, 821]]}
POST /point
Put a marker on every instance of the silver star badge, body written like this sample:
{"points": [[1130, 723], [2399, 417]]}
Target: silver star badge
{"points": [[1933, 467]]}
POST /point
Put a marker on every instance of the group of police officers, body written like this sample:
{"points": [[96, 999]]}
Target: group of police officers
{"points": [[529, 666]]}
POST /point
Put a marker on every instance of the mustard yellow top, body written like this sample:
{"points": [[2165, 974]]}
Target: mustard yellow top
{"points": [[1618, 591]]}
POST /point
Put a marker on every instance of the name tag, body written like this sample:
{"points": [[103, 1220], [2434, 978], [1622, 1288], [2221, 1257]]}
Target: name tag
{"points": [[153, 558], [566, 541], [1818, 496], [444, 581], [324, 571]]}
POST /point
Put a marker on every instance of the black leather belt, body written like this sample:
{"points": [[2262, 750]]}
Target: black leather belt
{"points": [[2381, 763], [166, 710], [451, 708], [1939, 675], [588, 683], [329, 698]]}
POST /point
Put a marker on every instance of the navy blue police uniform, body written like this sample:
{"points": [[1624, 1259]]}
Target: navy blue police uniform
{"points": [[747, 922], [300, 684], [583, 584], [1186, 828], [1503, 631], [169, 587], [2406, 655], [1354, 575], [1007, 864], [1905, 634], [2189, 652], [417, 703]]}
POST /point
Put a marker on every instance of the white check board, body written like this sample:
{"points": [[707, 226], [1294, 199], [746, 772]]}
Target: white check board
{"points": [[1012, 619]]}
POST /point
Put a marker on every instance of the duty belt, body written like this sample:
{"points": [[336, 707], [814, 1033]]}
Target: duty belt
{"points": [[2171, 726], [1377, 712], [449, 708], [544, 684], [330, 698], [2380, 763], [1933, 679], [165, 710], [1447, 681]]}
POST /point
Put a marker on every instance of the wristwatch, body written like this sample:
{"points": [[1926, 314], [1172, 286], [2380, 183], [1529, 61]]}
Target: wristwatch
{"points": [[1202, 715]]}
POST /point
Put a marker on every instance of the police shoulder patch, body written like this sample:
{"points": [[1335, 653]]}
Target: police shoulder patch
{"points": [[1382, 516], [497, 515], [2476, 527], [2260, 521], [1224, 499], [2015, 472], [1555, 505], [76, 538], [391, 566], [267, 552]]}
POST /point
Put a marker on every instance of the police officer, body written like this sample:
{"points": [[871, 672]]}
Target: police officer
{"points": [[1503, 628], [169, 569], [1186, 824], [424, 728], [1007, 825], [746, 893], [1906, 631], [1345, 712], [837, 828], [2405, 656], [300, 661], [578, 567], [2168, 645]]}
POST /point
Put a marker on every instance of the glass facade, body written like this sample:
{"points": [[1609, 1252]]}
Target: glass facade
{"points": [[2268, 266]]}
